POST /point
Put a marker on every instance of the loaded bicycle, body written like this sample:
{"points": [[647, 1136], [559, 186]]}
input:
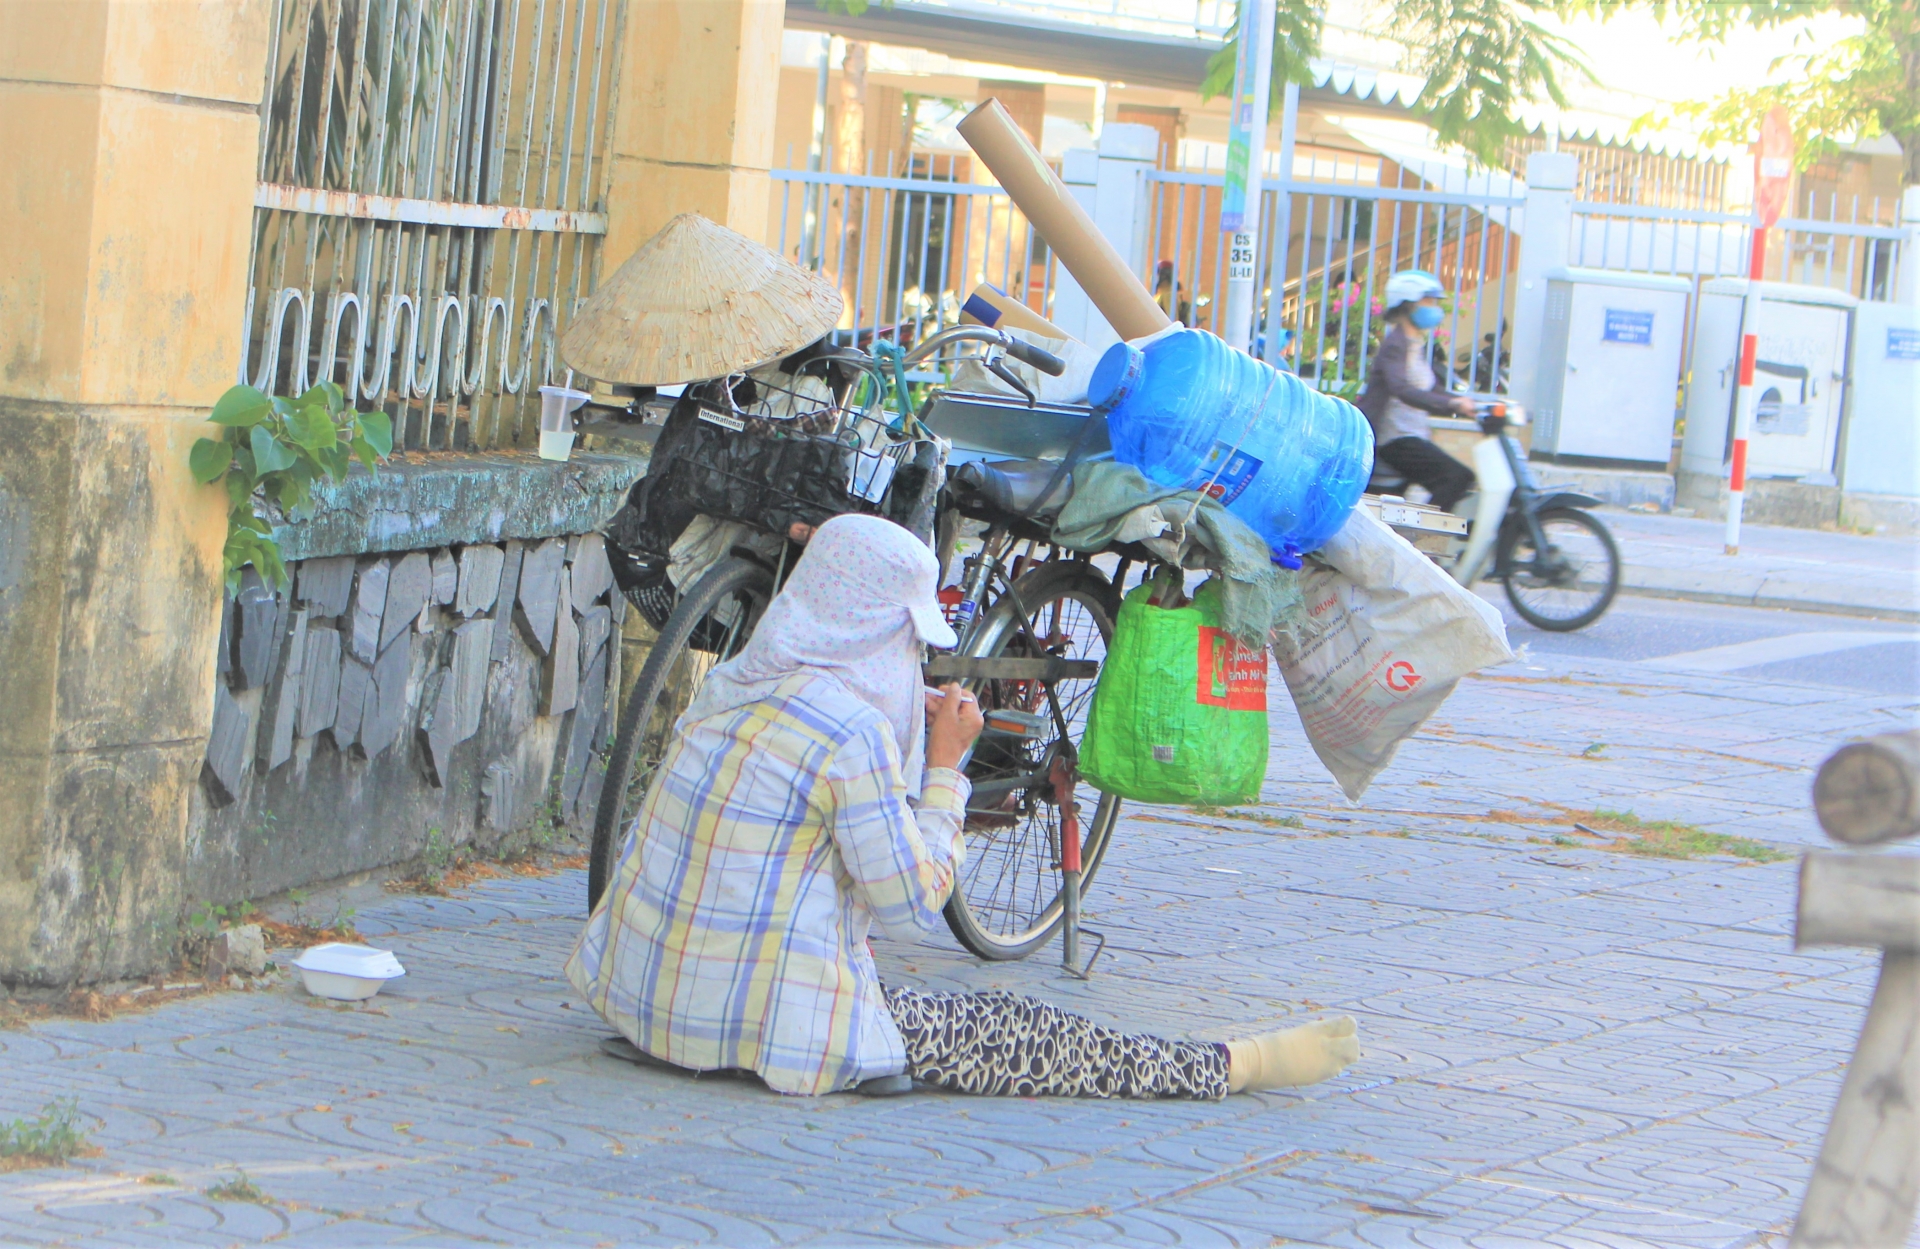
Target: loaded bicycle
{"points": [[744, 467]]}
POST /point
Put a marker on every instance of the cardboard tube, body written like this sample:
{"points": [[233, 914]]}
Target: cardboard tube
{"points": [[1050, 208]]}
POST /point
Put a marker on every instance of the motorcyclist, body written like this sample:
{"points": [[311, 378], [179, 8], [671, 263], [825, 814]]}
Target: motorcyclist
{"points": [[1401, 390]]}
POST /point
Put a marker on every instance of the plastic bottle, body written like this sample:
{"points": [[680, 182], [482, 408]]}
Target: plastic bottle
{"points": [[1192, 413]]}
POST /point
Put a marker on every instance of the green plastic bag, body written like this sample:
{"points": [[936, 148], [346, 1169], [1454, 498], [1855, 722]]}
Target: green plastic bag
{"points": [[1180, 713]]}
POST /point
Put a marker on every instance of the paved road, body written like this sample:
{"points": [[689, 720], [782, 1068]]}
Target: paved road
{"points": [[1773, 645], [1562, 1044]]}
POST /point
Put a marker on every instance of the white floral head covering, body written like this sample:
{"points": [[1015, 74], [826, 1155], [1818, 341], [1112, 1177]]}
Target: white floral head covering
{"points": [[861, 600]]}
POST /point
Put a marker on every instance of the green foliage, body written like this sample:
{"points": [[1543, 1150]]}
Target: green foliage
{"points": [[276, 448], [1669, 839], [1835, 93], [1297, 26], [239, 1188], [207, 920], [49, 1140], [1482, 59]]}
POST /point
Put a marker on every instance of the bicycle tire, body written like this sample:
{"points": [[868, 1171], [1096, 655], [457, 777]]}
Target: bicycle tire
{"points": [[1513, 540], [620, 796], [968, 914]]}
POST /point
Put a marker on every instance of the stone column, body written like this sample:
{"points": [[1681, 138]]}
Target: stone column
{"points": [[1908, 284], [1544, 227], [129, 137], [694, 122]]}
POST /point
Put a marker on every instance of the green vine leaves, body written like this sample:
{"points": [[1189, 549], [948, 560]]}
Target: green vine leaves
{"points": [[276, 448]]}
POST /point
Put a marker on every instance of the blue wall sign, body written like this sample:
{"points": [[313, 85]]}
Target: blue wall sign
{"points": [[1628, 325], [1903, 343]]}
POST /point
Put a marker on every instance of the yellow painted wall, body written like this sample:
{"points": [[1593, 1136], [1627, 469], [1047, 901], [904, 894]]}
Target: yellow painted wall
{"points": [[694, 125], [128, 140]]}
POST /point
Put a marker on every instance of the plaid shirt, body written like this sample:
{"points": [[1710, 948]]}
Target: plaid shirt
{"points": [[734, 933]]}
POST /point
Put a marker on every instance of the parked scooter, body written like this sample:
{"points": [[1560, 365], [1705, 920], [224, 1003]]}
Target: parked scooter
{"points": [[1556, 559]]}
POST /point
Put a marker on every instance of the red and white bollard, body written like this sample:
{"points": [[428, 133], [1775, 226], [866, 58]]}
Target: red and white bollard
{"points": [[1742, 429], [1743, 399]]}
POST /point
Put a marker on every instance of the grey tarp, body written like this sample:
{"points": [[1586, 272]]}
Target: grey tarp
{"points": [[1107, 505]]}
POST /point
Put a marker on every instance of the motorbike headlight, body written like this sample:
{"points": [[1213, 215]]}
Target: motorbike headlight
{"points": [[1516, 415]]}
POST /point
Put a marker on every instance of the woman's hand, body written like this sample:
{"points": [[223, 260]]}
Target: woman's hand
{"points": [[1465, 406], [953, 721]]}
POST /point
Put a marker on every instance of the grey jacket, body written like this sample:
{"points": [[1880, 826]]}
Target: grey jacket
{"points": [[1401, 390]]}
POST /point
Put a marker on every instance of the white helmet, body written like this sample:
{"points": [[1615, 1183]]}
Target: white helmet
{"points": [[1410, 286]]}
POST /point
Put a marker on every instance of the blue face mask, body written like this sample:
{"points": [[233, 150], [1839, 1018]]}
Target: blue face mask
{"points": [[1426, 316]]}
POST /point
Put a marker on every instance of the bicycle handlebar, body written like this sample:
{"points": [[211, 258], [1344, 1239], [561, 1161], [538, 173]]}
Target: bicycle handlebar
{"points": [[1045, 361]]}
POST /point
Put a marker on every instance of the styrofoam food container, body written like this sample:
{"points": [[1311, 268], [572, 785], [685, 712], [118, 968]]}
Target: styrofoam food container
{"points": [[347, 972]]}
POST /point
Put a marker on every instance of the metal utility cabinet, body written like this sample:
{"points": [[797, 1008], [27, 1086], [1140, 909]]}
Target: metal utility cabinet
{"points": [[1610, 365], [1883, 430], [1799, 376]]}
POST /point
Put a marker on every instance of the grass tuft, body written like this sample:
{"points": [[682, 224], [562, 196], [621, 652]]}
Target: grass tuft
{"points": [[239, 1188], [1251, 817], [1670, 839], [48, 1141]]}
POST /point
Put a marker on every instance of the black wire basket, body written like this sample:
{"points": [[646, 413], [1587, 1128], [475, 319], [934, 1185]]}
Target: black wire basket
{"points": [[782, 450]]}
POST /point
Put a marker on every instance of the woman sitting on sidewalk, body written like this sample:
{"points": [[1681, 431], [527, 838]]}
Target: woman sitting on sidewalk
{"points": [[812, 789]]}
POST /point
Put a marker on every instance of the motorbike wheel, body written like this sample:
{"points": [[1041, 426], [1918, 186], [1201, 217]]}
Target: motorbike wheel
{"points": [[1570, 584]]}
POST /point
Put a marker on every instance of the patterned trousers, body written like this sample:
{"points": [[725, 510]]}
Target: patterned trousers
{"points": [[1000, 1044]]}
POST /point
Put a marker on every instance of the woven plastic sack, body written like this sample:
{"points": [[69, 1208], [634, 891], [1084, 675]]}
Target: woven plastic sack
{"points": [[1387, 637], [1180, 713]]}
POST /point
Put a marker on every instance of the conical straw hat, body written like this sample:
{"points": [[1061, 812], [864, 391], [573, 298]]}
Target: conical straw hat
{"points": [[697, 301]]}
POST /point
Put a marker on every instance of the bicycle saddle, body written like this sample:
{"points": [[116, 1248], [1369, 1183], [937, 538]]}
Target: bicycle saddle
{"points": [[1010, 488]]}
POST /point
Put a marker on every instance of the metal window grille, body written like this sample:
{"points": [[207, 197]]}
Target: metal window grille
{"points": [[431, 186]]}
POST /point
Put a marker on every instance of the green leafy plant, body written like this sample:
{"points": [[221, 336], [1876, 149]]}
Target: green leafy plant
{"points": [[1670, 839], [276, 448], [47, 1141], [207, 919], [1482, 60], [239, 1188], [1836, 91]]}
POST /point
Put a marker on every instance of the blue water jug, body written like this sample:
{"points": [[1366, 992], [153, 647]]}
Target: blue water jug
{"points": [[1192, 413]]}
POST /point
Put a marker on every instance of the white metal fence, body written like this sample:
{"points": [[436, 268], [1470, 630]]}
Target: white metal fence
{"points": [[1851, 246], [1328, 248], [907, 246], [427, 214]]}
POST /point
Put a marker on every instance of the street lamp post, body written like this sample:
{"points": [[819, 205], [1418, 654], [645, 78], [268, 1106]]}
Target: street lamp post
{"points": [[1246, 153]]}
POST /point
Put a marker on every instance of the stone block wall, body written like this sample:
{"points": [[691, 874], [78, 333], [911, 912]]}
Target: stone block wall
{"points": [[457, 693]]}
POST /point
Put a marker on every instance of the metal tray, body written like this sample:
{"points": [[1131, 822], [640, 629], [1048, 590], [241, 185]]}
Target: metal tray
{"points": [[1005, 426]]}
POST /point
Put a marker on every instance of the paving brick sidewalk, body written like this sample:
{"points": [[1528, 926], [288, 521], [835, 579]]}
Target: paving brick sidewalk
{"points": [[1802, 569], [1562, 1045]]}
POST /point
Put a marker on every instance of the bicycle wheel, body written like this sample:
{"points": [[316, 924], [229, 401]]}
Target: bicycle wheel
{"points": [[710, 624], [1570, 584], [1006, 903]]}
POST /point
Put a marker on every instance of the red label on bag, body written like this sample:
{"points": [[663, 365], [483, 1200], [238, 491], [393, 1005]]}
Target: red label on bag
{"points": [[1231, 675]]}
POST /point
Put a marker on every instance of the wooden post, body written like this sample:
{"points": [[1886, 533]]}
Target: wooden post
{"points": [[1864, 1187]]}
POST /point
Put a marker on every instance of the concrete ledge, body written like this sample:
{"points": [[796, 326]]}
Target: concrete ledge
{"points": [[1620, 487], [458, 498], [1772, 501], [1890, 514]]}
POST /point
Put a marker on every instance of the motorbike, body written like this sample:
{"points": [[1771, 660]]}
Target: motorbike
{"points": [[1557, 561]]}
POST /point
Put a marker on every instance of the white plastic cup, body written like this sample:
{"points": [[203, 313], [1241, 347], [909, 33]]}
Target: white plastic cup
{"points": [[557, 404]]}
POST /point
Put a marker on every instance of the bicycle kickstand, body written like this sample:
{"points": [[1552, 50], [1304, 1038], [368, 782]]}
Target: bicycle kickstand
{"points": [[1064, 776]]}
